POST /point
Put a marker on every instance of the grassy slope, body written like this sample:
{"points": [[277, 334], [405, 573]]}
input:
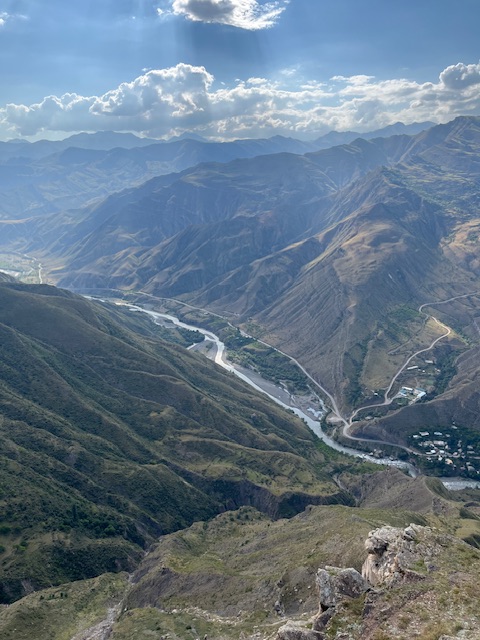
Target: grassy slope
{"points": [[59, 613], [223, 577], [110, 438]]}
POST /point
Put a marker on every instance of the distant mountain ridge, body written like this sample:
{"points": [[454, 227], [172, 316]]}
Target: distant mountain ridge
{"points": [[320, 251], [51, 176], [321, 247], [107, 140]]}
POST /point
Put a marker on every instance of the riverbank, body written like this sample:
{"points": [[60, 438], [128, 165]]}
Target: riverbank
{"points": [[310, 409], [311, 415]]}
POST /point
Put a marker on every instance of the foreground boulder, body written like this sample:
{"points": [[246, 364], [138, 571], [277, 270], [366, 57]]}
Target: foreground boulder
{"points": [[294, 631], [392, 552], [414, 580], [334, 586]]}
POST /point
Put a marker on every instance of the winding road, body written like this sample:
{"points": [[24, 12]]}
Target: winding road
{"points": [[335, 411], [386, 401], [257, 383], [347, 422]]}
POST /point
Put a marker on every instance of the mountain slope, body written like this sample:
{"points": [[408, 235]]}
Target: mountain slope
{"points": [[241, 575], [111, 437], [323, 251], [330, 254], [261, 190]]}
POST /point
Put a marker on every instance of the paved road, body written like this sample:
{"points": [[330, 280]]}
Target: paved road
{"points": [[386, 401], [346, 422]]}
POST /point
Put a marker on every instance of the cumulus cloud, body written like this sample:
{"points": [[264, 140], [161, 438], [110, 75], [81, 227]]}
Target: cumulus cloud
{"points": [[244, 14], [459, 76], [177, 91], [185, 98]]}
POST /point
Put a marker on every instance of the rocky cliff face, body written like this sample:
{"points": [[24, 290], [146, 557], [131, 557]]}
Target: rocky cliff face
{"points": [[400, 594], [242, 576], [392, 552]]}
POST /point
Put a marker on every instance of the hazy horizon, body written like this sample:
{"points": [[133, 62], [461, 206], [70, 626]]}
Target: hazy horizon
{"points": [[227, 69]]}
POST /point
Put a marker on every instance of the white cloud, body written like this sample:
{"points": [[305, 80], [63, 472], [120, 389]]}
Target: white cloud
{"points": [[175, 92], [459, 76], [164, 102], [9, 17], [244, 14]]}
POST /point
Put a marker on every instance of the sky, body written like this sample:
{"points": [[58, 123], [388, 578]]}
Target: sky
{"points": [[228, 69]]}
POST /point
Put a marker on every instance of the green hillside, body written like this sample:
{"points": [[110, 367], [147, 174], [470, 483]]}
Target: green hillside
{"points": [[111, 437], [243, 575]]}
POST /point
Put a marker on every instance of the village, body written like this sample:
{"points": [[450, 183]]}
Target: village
{"points": [[448, 449], [423, 374]]}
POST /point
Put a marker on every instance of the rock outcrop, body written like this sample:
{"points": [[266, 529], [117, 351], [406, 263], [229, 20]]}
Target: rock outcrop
{"points": [[335, 586], [394, 557], [293, 631], [392, 552]]}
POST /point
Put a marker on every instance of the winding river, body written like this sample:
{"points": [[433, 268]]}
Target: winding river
{"points": [[252, 380]]}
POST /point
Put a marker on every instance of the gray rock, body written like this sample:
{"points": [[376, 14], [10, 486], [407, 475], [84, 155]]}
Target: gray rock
{"points": [[349, 583], [322, 619], [326, 589], [392, 552], [279, 609], [292, 631], [336, 585]]}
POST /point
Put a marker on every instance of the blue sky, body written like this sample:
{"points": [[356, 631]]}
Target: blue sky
{"points": [[234, 68]]}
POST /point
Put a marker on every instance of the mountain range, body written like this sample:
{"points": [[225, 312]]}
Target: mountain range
{"points": [[144, 492], [328, 254], [111, 437], [51, 176]]}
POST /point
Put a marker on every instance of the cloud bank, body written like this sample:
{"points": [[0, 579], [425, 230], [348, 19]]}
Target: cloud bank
{"points": [[185, 98], [244, 14]]}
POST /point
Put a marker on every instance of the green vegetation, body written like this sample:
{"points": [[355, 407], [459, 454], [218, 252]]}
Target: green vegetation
{"points": [[461, 446], [177, 335], [404, 313], [242, 349], [239, 564], [446, 364], [353, 363], [223, 577], [59, 613], [112, 437], [18, 265], [269, 363]]}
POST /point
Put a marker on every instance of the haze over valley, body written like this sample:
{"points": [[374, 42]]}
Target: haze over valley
{"points": [[327, 255], [239, 320]]}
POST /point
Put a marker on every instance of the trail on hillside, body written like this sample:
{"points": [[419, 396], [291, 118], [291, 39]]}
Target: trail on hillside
{"points": [[335, 411], [387, 400]]}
